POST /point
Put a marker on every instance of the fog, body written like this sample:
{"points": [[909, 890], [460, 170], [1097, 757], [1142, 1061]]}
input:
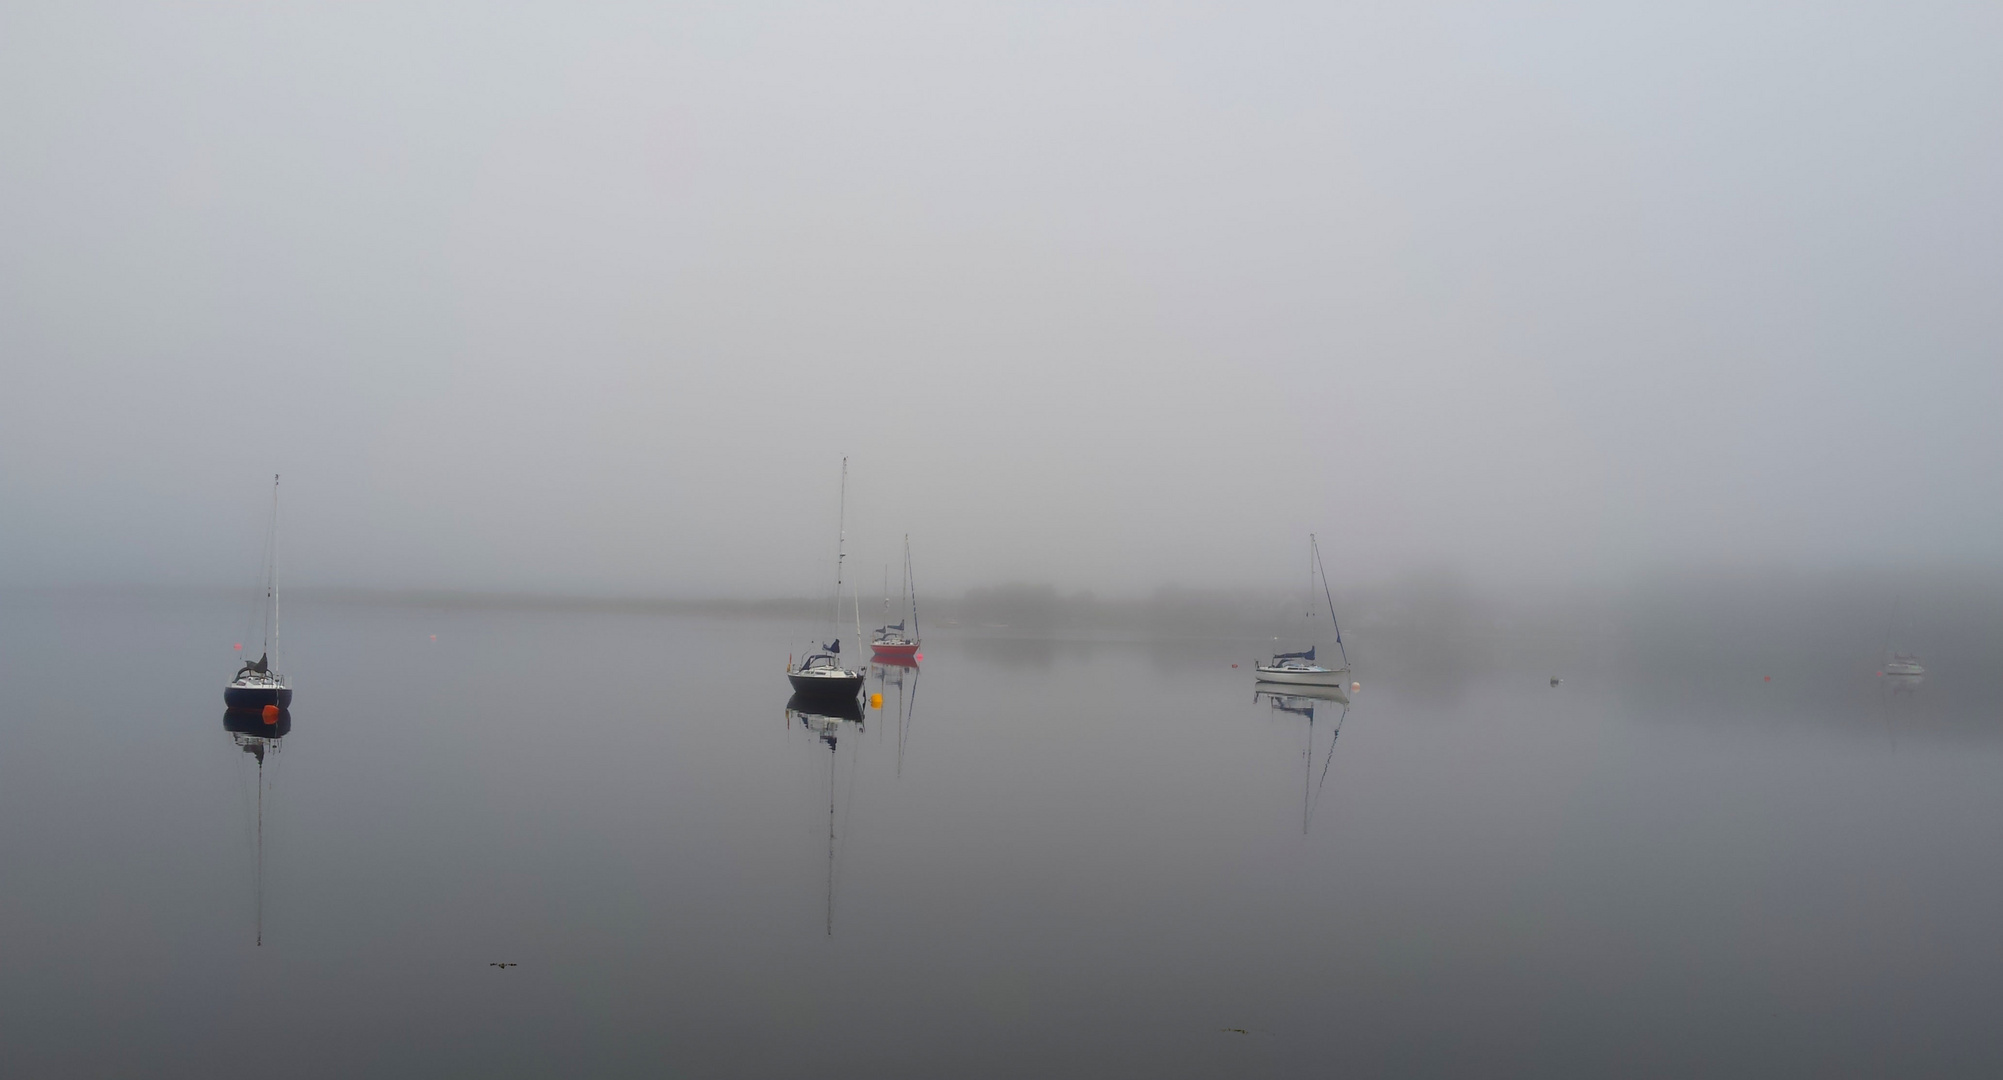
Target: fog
{"points": [[1107, 297]]}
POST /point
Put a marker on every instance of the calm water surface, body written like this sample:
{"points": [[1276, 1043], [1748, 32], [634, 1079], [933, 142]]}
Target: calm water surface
{"points": [[1048, 857]]}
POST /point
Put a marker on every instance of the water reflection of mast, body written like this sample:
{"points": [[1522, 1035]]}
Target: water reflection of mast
{"points": [[830, 740], [824, 718], [907, 705], [1300, 701], [257, 733]]}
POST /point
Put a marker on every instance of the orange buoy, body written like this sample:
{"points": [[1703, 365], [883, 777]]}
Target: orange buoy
{"points": [[876, 701], [271, 714], [1355, 686], [918, 656]]}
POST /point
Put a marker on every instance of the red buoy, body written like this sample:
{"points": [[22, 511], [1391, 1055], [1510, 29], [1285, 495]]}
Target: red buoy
{"points": [[271, 714]]}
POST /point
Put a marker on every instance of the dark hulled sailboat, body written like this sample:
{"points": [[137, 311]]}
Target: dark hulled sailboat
{"points": [[258, 684], [821, 675]]}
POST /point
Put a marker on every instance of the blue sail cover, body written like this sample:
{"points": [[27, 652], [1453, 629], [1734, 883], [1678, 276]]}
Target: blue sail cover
{"points": [[1308, 655], [836, 648]]}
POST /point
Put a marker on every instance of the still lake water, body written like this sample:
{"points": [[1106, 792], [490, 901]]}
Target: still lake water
{"points": [[1059, 858]]}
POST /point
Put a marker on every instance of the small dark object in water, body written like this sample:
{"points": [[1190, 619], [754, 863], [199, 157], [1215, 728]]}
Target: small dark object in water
{"points": [[1234, 1031], [498, 964], [1555, 680]]}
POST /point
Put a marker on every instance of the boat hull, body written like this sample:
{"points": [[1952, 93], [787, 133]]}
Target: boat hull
{"points": [[1297, 677], [257, 697], [1904, 669], [906, 650], [825, 687]]}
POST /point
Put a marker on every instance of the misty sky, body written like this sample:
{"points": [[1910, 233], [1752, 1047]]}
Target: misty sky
{"points": [[595, 297]]}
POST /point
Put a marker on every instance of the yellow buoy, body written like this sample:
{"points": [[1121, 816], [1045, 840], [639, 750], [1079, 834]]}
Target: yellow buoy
{"points": [[876, 701]]}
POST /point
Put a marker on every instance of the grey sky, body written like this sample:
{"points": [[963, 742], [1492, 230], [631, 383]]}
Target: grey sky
{"points": [[569, 297]]}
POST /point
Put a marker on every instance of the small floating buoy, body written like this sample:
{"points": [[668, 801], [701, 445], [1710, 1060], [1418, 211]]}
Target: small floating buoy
{"points": [[918, 656], [238, 646], [434, 637], [271, 714], [1769, 678], [1555, 680], [876, 701], [1355, 686], [1234, 665]]}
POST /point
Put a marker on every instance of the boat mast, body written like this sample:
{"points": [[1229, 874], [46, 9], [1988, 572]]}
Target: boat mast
{"points": [[274, 589], [911, 586], [841, 542], [1315, 547]]}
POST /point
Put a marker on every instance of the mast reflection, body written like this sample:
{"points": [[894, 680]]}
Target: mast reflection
{"points": [[258, 732], [1302, 701], [897, 680], [825, 718]]}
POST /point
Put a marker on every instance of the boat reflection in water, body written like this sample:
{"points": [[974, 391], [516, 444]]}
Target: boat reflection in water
{"points": [[825, 717], [257, 732], [1302, 701], [897, 686]]}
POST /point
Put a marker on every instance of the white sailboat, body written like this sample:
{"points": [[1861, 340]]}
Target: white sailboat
{"points": [[1301, 668]]}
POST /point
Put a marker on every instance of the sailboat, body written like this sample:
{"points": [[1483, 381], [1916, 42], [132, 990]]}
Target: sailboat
{"points": [[891, 641], [821, 674], [1301, 668], [258, 684]]}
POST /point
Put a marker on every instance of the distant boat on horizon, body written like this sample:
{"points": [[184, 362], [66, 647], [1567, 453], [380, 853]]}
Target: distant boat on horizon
{"points": [[258, 684], [1300, 668], [1900, 663]]}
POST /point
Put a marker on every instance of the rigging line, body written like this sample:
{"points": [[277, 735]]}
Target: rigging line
{"points": [[1315, 546]]}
